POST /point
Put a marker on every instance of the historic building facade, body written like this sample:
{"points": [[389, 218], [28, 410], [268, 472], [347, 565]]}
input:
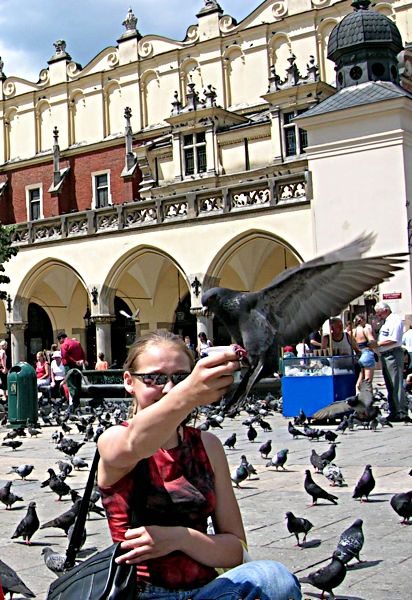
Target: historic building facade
{"points": [[163, 167]]}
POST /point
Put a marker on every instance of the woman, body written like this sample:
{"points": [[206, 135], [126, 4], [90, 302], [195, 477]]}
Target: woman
{"points": [[42, 369], [186, 480], [57, 373], [3, 367], [365, 339], [203, 345]]}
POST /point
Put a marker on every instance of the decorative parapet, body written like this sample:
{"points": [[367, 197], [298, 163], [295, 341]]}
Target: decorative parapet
{"points": [[293, 75], [272, 192]]}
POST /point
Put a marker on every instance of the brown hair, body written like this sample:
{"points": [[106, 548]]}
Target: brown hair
{"points": [[358, 319]]}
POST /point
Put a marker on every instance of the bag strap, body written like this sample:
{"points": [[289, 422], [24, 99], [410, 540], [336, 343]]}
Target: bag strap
{"points": [[136, 509]]}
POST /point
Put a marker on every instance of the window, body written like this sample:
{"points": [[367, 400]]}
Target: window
{"points": [[296, 139], [194, 153], [101, 189], [34, 202]]}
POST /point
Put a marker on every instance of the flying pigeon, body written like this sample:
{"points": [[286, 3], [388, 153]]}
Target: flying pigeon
{"points": [[329, 577], [297, 525], [314, 490], [28, 525], [351, 542], [365, 484], [295, 303]]}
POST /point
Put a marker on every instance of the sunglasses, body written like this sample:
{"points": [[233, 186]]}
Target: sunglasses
{"points": [[160, 378]]}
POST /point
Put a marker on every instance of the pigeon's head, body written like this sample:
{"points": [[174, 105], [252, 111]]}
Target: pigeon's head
{"points": [[211, 299], [368, 468], [289, 515], [357, 523], [32, 505]]}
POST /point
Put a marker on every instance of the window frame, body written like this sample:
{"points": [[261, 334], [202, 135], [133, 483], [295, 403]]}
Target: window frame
{"points": [[95, 188], [199, 153], [29, 200], [298, 133]]}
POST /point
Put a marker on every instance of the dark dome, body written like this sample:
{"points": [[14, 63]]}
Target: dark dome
{"points": [[363, 27]]}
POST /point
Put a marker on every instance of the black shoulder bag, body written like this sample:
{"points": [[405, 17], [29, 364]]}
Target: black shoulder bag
{"points": [[98, 577]]}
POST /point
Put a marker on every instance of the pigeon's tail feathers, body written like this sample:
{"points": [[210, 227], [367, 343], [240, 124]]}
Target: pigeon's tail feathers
{"points": [[331, 498], [235, 403], [305, 580]]}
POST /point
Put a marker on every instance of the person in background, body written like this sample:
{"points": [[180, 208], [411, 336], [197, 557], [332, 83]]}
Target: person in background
{"points": [[101, 364], [302, 349], [365, 339], [407, 340], [315, 340], [188, 344], [288, 352], [42, 369], [179, 479], [57, 373], [391, 353], [203, 345], [3, 367], [73, 355], [342, 343]]}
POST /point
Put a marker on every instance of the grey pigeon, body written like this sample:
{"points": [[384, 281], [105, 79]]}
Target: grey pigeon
{"points": [[351, 542], [294, 431], [13, 444], [314, 490], [23, 470], [78, 463], [7, 496], [329, 577], [279, 460], [365, 484], [316, 461], [65, 467], [57, 485], [251, 433], [265, 449], [402, 505], [11, 582], [239, 474], [65, 520], [294, 303], [83, 538], [330, 436], [28, 525], [330, 454], [250, 468], [297, 525], [53, 560], [334, 474], [231, 441]]}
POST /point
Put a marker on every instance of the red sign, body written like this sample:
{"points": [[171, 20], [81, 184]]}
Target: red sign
{"points": [[392, 296]]}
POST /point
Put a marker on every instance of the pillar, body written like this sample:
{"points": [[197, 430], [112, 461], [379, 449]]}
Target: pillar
{"points": [[103, 335], [18, 347]]}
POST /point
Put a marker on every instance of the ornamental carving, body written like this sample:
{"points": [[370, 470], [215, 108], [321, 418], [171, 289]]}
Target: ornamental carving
{"points": [[77, 227], [252, 198], [145, 48], [44, 76], [213, 204], [9, 88], [192, 34], [113, 59], [177, 209], [107, 222], [280, 9], [227, 24], [292, 191], [72, 69], [102, 319], [139, 216]]}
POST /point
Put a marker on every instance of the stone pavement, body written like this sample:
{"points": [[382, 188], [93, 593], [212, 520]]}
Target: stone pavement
{"points": [[263, 501]]}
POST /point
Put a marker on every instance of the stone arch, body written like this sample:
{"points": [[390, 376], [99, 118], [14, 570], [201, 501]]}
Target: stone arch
{"points": [[384, 8], [236, 80], [114, 108], [326, 66], [44, 126], [279, 48], [78, 116], [190, 73], [14, 133], [148, 279], [151, 99]]}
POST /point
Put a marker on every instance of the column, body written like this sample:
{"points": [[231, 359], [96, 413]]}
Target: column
{"points": [[104, 335], [204, 323], [18, 348]]}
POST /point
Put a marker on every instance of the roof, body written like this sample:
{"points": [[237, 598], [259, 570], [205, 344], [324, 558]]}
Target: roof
{"points": [[357, 95]]}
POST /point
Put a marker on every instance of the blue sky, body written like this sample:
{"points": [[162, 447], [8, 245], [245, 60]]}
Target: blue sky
{"points": [[28, 28]]}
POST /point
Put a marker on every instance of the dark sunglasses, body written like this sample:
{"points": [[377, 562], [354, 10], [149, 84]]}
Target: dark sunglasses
{"points": [[160, 378]]}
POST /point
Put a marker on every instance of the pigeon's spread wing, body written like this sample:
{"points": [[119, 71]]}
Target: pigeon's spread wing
{"points": [[300, 299], [335, 410]]}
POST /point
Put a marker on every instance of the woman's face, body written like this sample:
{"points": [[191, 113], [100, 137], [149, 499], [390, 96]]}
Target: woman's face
{"points": [[163, 358], [40, 356]]}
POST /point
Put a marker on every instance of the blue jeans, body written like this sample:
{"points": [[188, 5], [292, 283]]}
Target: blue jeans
{"points": [[256, 580]]}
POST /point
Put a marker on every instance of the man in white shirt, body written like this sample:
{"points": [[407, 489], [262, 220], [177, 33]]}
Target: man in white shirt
{"points": [[407, 341], [390, 347]]}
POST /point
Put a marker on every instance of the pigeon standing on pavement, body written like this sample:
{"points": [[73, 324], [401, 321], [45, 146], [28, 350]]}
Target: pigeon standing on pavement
{"points": [[330, 454], [65, 520], [314, 490], [294, 431], [402, 505], [265, 449], [316, 461], [11, 582], [295, 303], [78, 463], [251, 433], [329, 577], [279, 460], [28, 525], [53, 560], [23, 470], [231, 441], [334, 474], [365, 484], [239, 474], [250, 468], [351, 542], [297, 525], [7, 496], [57, 485], [13, 444]]}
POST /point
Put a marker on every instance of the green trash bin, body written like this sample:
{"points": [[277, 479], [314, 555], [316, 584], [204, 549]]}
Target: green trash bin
{"points": [[22, 392]]}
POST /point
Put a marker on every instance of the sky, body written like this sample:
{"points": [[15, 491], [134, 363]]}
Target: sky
{"points": [[28, 28]]}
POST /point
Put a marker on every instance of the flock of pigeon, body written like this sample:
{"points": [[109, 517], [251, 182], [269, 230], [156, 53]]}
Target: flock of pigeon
{"points": [[63, 426], [354, 415]]}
